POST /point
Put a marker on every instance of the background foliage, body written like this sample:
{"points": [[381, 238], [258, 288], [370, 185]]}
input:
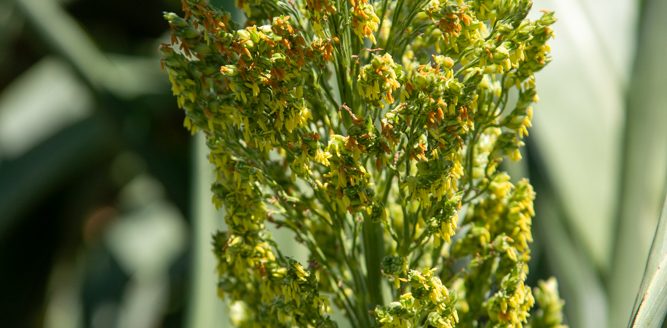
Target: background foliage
{"points": [[104, 220]]}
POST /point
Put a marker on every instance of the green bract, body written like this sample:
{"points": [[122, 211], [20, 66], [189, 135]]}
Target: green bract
{"points": [[374, 131]]}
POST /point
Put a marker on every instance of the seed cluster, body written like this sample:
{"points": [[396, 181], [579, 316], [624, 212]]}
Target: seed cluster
{"points": [[375, 132]]}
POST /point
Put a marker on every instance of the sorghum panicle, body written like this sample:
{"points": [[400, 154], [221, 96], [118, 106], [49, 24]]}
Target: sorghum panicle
{"points": [[375, 132]]}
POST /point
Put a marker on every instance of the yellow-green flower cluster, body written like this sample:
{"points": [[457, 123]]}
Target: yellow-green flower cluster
{"points": [[370, 156], [251, 270], [243, 88], [378, 80], [438, 123], [346, 182], [498, 236], [506, 212], [364, 20], [267, 83], [511, 304], [427, 303], [550, 313], [456, 28], [276, 292]]}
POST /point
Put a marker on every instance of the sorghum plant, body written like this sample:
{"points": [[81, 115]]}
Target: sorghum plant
{"points": [[374, 131]]}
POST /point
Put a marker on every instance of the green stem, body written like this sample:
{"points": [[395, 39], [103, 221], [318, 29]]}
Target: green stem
{"points": [[361, 290], [373, 254]]}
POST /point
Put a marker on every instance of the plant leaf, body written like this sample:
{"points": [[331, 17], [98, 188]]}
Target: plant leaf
{"points": [[651, 303], [579, 282], [62, 100], [644, 170], [578, 123], [67, 39]]}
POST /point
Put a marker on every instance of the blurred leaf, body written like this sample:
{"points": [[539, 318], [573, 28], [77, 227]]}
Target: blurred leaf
{"points": [[578, 279], [149, 234], [64, 305], [578, 120], [145, 239], [651, 302], [9, 25], [142, 75], [25, 180], [585, 295], [63, 34], [644, 170], [39, 103], [614, 27], [67, 39]]}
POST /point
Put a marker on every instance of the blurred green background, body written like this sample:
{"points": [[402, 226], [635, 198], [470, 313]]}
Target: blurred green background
{"points": [[105, 218]]}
